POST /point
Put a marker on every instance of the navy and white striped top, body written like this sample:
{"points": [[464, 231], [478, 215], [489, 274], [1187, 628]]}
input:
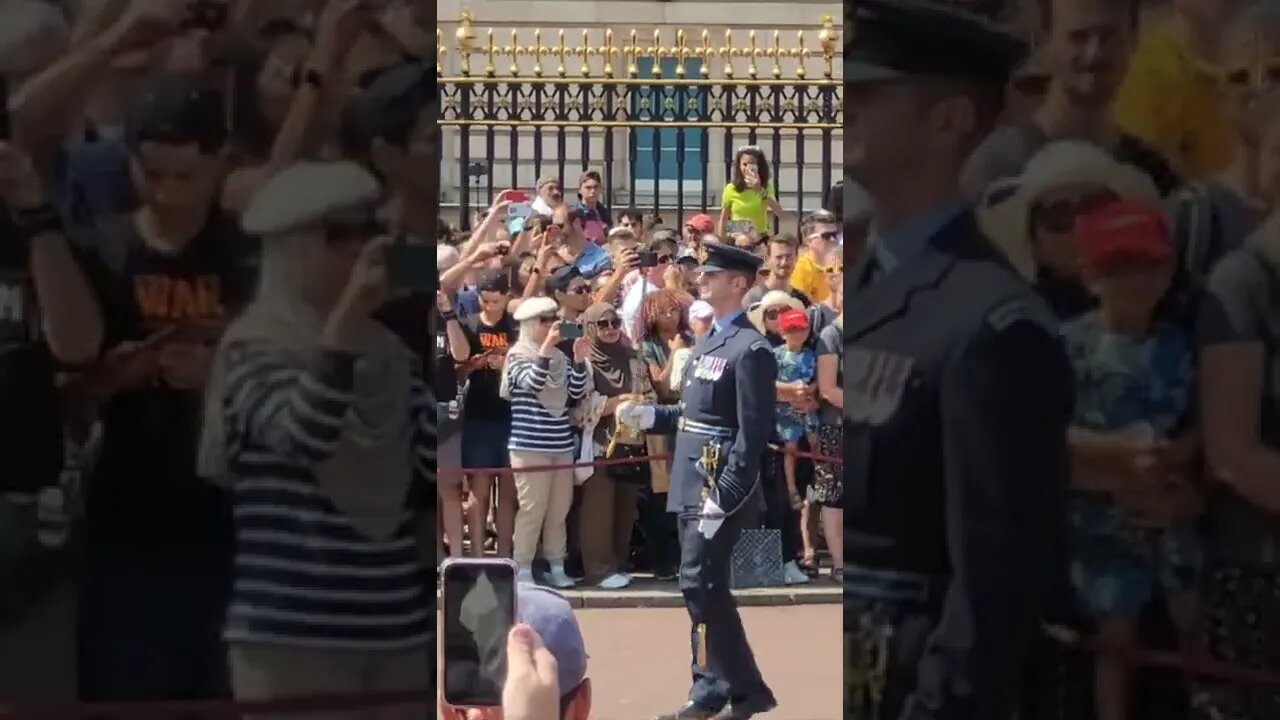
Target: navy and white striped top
{"points": [[304, 576], [533, 429]]}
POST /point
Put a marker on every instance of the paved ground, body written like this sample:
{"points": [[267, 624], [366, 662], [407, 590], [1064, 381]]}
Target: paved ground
{"points": [[640, 659], [645, 592]]}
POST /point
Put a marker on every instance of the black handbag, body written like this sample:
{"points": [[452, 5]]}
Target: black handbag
{"points": [[630, 473]]}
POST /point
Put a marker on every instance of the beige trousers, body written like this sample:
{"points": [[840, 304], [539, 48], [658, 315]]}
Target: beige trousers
{"points": [[261, 671], [545, 497]]}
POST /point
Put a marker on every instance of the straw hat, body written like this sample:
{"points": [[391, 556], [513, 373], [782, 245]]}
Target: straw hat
{"points": [[1005, 209], [771, 299]]}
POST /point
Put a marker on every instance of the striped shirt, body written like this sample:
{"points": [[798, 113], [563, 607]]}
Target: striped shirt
{"points": [[304, 575], [533, 429]]}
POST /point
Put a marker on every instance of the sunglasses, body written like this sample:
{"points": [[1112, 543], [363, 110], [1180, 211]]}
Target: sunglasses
{"points": [[579, 290], [826, 235], [614, 324], [773, 313], [548, 319], [1060, 217]]}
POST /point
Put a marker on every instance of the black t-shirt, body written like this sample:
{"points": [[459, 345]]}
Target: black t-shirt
{"points": [[146, 494], [483, 401], [30, 409]]}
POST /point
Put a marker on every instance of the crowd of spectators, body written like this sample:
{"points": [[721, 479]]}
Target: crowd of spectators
{"points": [[556, 308], [1133, 181], [203, 354]]}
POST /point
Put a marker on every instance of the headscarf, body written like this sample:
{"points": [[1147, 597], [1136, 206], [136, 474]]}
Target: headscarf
{"points": [[612, 364]]}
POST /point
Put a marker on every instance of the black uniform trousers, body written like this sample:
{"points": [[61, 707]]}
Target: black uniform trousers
{"points": [[730, 673]]}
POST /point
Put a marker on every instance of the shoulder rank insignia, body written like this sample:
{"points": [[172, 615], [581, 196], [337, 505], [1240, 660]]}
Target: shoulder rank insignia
{"points": [[1012, 312]]}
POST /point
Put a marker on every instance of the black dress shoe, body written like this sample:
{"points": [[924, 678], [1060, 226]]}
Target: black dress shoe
{"points": [[746, 710], [692, 711]]}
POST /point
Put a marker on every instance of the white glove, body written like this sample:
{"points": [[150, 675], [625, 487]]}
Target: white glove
{"points": [[634, 415], [707, 526]]}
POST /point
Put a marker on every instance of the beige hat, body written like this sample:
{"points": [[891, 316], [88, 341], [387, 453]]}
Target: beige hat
{"points": [[771, 299], [306, 193], [1005, 210], [535, 306]]}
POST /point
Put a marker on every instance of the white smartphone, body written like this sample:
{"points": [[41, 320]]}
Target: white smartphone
{"points": [[478, 602]]}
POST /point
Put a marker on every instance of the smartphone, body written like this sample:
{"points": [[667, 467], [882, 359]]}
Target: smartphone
{"points": [[648, 259], [739, 227], [411, 267], [553, 234], [519, 210], [516, 196], [478, 602], [6, 132], [570, 331]]}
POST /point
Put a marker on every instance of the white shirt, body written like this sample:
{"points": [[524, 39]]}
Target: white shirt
{"points": [[631, 305]]}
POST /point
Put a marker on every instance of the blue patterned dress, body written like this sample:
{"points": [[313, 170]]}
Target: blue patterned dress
{"points": [[1122, 384]]}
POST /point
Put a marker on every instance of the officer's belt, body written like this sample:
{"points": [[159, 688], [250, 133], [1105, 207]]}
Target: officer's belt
{"points": [[696, 428], [893, 585]]}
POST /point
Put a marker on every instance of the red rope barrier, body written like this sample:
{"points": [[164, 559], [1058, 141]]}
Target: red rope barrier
{"points": [[602, 462], [1198, 667]]}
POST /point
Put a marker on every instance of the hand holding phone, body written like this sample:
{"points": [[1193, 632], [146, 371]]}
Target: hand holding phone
{"points": [[411, 267], [478, 601], [515, 196], [648, 259]]}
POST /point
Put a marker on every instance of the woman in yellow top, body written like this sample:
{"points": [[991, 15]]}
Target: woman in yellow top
{"points": [[749, 197]]}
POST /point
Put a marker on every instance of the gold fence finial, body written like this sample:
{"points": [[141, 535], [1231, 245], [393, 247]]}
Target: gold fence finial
{"points": [[727, 54], [538, 50], [776, 53], [609, 51], [632, 53], [561, 51], [662, 53], [682, 53], [466, 32]]}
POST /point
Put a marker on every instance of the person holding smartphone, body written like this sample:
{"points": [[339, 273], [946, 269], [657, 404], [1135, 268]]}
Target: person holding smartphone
{"points": [[749, 196], [316, 410], [542, 383]]}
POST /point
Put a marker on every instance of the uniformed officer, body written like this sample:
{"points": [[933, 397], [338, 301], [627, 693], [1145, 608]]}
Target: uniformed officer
{"points": [[723, 420], [957, 390]]}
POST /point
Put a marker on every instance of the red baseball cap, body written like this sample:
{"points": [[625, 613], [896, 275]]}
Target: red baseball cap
{"points": [[702, 223], [792, 319], [1122, 232]]}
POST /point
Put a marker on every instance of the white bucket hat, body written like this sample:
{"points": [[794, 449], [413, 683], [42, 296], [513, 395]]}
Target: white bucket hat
{"points": [[1005, 210], [771, 299]]}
